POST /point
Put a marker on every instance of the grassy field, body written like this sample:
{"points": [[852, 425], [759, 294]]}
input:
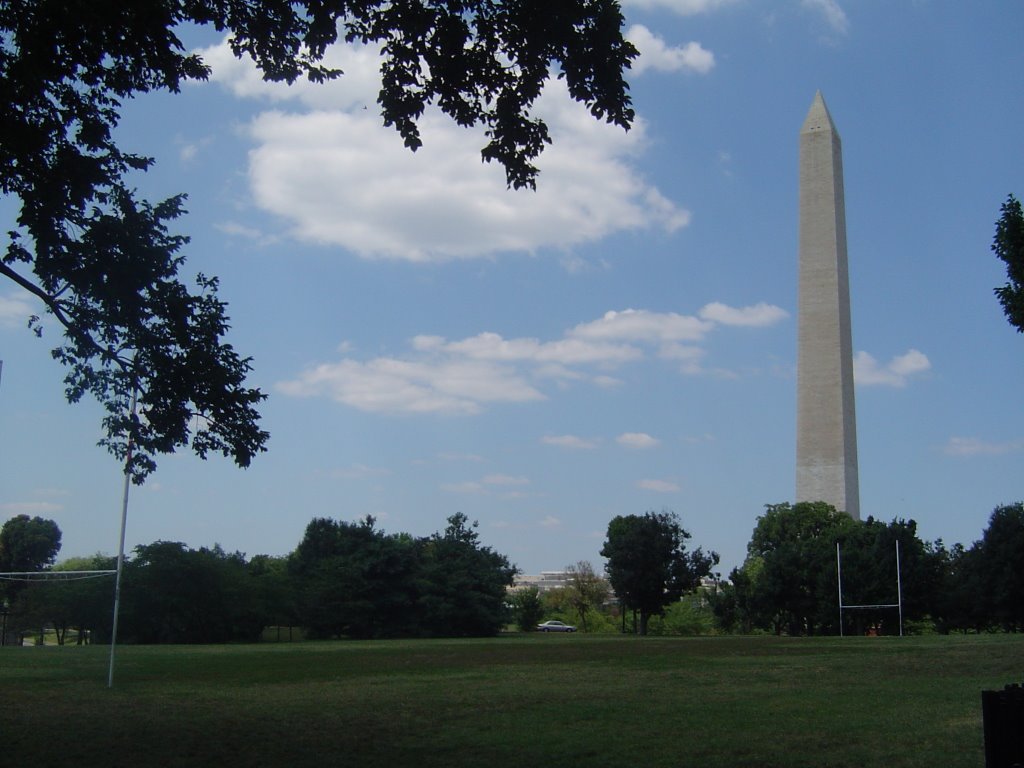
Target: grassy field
{"points": [[509, 701]]}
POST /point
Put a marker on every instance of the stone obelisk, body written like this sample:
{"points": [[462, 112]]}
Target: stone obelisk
{"points": [[826, 428]]}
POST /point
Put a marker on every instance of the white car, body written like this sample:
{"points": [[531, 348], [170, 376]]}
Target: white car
{"points": [[555, 626]]}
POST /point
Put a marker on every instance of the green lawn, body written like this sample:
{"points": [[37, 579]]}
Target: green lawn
{"points": [[510, 701]]}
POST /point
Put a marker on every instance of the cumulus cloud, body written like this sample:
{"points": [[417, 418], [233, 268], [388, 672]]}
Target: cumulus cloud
{"points": [[657, 55], [569, 441], [496, 485], [831, 12], [15, 310], [359, 471], [973, 446], [896, 373], [394, 385], [505, 480], [30, 508], [659, 486], [682, 7], [641, 324], [757, 316], [470, 487], [324, 164], [464, 376], [637, 440]]}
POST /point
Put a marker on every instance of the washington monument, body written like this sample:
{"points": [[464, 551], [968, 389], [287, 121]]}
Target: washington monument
{"points": [[826, 426]]}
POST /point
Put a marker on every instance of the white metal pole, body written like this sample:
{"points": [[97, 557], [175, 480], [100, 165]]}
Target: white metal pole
{"points": [[120, 548], [899, 586], [839, 578]]}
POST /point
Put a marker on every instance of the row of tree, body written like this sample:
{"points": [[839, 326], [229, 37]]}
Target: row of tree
{"points": [[343, 580], [351, 579], [790, 580]]}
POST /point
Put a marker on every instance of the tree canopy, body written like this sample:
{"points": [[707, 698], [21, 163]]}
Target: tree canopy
{"points": [[1008, 245], [985, 586], [105, 264], [355, 580], [648, 565], [28, 543], [789, 581]]}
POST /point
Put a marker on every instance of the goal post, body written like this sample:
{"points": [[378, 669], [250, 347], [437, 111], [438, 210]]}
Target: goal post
{"points": [[845, 607], [34, 576]]}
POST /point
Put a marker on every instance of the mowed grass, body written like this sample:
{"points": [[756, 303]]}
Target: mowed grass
{"points": [[509, 701]]}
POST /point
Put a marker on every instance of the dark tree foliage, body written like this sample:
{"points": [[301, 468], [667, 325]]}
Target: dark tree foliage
{"points": [[527, 608], [353, 580], [648, 565], [81, 604], [793, 551], [174, 594], [789, 581], [1000, 561], [733, 604], [275, 598], [28, 543], [1008, 245], [105, 264], [585, 591], [962, 604], [463, 585], [870, 576]]}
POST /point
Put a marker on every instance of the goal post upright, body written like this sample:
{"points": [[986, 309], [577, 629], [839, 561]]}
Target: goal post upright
{"points": [[839, 579], [899, 591], [899, 586], [120, 548]]}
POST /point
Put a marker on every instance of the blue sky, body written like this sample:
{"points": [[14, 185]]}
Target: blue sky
{"points": [[622, 340]]}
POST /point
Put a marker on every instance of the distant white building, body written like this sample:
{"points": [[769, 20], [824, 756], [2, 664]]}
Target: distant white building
{"points": [[545, 582]]}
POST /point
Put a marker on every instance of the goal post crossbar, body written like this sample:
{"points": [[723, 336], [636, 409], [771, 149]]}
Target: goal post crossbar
{"points": [[899, 590], [53, 575]]}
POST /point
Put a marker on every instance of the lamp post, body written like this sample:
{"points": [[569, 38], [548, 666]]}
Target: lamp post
{"points": [[5, 608]]}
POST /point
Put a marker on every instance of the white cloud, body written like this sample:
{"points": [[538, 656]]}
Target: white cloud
{"points": [[464, 376], [188, 151], [359, 471], [460, 457], [868, 372], [550, 522], [501, 486], [832, 13], [642, 325], [234, 229], [689, 357], [972, 446], [569, 441], [682, 7], [323, 162], [637, 440], [15, 309], [505, 480], [469, 488], [492, 347], [607, 382], [392, 385], [659, 486], [32, 508], [656, 55], [757, 316]]}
